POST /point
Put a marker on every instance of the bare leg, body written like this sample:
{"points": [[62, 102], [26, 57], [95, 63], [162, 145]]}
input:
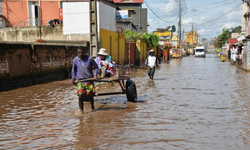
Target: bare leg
{"points": [[117, 72], [103, 72], [81, 103], [91, 100]]}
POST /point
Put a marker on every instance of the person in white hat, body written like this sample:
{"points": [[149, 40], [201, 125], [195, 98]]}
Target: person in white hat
{"points": [[105, 63], [151, 62]]}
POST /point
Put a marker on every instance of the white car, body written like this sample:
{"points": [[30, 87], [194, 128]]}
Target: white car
{"points": [[200, 52]]}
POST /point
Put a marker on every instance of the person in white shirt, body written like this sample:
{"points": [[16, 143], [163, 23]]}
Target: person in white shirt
{"points": [[151, 62]]}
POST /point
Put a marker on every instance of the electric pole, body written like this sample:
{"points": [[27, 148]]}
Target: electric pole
{"points": [[179, 26], [93, 28], [192, 33]]}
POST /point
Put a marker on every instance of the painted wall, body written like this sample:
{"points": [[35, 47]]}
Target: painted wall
{"points": [[21, 12], [17, 11], [141, 48], [50, 10], [106, 17], [114, 43], [76, 18]]}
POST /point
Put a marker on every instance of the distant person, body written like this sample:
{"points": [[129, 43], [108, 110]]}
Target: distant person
{"points": [[229, 53], [151, 62], [83, 66]]}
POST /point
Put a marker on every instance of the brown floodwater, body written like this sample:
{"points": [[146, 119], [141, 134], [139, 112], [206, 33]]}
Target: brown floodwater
{"points": [[193, 103]]}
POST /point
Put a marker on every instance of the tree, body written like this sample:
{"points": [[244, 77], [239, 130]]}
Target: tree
{"points": [[151, 39], [222, 39]]}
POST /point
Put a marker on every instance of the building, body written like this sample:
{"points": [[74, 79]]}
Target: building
{"points": [[30, 12], [131, 10], [246, 30], [191, 37], [76, 21]]}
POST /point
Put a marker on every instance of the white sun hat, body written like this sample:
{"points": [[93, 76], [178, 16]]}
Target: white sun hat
{"points": [[103, 51]]}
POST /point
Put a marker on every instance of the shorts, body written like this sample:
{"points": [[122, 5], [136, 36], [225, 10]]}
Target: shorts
{"points": [[84, 88]]}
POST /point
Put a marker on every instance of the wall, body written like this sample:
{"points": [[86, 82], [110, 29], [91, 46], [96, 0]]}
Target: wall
{"points": [[31, 34], [17, 11], [25, 64], [141, 52], [76, 18], [135, 15], [50, 10], [106, 17], [114, 43], [144, 19]]}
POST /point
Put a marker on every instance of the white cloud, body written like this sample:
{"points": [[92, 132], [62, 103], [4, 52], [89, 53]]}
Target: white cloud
{"points": [[208, 20]]}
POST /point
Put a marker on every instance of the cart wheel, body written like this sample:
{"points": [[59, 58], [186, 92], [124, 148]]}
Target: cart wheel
{"points": [[131, 91]]}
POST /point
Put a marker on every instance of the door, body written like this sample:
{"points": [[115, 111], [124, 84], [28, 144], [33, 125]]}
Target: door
{"points": [[34, 13]]}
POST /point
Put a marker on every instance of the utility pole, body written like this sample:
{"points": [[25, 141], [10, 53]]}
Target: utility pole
{"points": [[192, 33], [179, 25], [93, 28]]}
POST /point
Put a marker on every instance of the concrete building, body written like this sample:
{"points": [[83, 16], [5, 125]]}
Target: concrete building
{"points": [[76, 21], [30, 12], [133, 12], [191, 37], [246, 30]]}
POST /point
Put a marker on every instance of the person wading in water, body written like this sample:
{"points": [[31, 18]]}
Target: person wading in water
{"points": [[151, 62], [83, 66]]}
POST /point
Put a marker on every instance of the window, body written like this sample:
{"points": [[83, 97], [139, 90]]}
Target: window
{"points": [[130, 13]]}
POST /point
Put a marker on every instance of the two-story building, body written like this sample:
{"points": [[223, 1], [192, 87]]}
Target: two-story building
{"points": [[30, 12], [134, 13]]}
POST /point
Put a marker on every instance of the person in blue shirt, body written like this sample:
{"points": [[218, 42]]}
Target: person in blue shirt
{"points": [[83, 66]]}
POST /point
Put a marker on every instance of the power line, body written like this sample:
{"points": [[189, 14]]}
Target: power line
{"points": [[211, 4], [158, 15], [213, 19], [213, 7]]}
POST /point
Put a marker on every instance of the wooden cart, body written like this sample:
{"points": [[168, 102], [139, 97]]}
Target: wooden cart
{"points": [[122, 76]]}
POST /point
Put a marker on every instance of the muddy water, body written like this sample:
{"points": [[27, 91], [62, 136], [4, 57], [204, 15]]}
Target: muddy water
{"points": [[193, 103]]}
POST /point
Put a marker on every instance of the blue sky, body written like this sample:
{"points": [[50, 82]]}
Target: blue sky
{"points": [[209, 16]]}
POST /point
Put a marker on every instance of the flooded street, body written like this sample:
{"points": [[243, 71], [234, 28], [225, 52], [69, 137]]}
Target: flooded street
{"points": [[193, 103]]}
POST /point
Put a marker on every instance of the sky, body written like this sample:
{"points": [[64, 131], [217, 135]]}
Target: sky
{"points": [[209, 17]]}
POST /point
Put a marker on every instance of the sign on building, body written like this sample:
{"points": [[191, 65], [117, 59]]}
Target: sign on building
{"points": [[122, 14], [164, 34]]}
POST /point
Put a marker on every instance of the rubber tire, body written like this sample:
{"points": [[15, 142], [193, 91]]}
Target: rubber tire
{"points": [[131, 91]]}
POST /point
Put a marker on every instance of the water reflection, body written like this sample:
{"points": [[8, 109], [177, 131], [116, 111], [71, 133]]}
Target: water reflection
{"points": [[191, 104]]}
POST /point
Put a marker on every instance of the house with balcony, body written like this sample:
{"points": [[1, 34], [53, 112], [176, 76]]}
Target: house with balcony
{"points": [[134, 13]]}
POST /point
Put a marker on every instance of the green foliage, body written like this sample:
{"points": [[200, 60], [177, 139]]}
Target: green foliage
{"points": [[129, 36], [221, 40], [190, 46], [151, 39], [236, 29]]}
